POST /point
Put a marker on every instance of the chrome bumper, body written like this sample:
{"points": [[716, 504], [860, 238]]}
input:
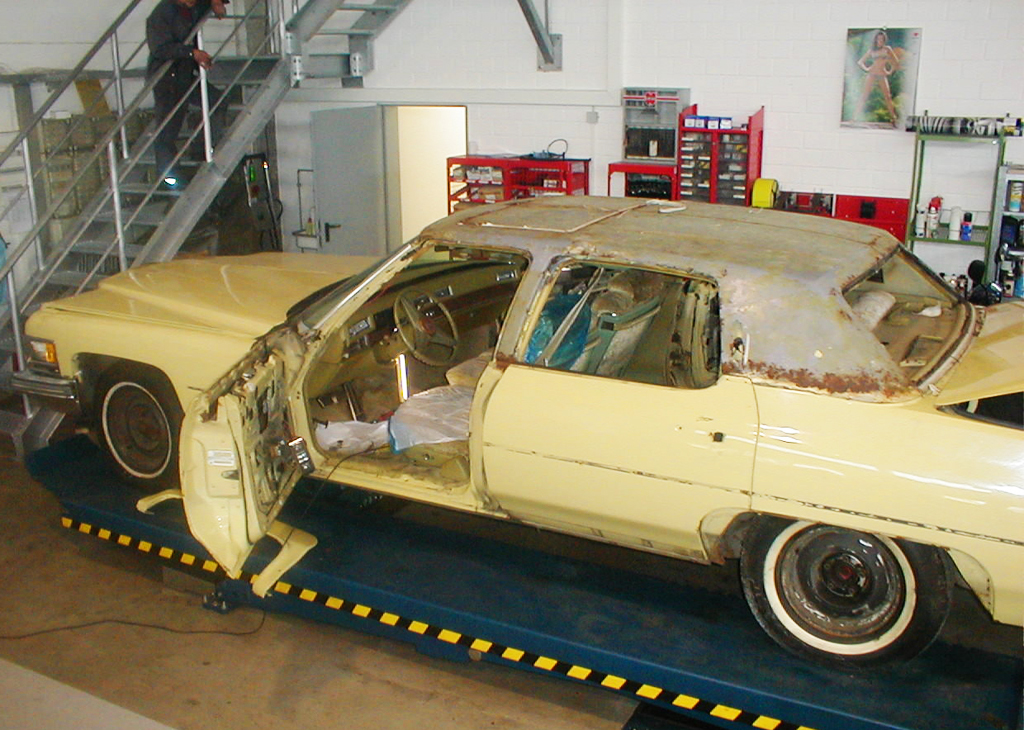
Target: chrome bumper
{"points": [[62, 392]]}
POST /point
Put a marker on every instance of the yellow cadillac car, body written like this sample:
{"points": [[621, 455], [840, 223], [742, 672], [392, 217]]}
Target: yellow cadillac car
{"points": [[706, 382]]}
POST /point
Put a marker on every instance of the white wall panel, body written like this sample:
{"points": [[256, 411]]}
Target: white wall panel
{"points": [[784, 54]]}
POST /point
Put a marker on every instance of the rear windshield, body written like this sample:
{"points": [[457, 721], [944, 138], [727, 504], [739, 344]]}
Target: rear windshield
{"points": [[912, 312]]}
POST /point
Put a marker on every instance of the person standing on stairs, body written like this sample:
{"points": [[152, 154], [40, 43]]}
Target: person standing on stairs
{"points": [[167, 29]]}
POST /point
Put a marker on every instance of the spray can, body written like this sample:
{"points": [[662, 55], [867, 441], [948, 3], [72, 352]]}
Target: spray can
{"points": [[1016, 193], [919, 222], [932, 222], [967, 226]]}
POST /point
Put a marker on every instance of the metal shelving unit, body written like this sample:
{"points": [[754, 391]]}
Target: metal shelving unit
{"points": [[982, 235], [718, 165], [1001, 213], [475, 179]]}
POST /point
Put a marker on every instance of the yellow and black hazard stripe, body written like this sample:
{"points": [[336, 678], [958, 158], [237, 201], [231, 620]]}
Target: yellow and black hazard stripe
{"points": [[176, 557], [482, 646]]}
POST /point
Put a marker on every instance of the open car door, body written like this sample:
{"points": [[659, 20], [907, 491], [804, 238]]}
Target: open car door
{"points": [[240, 460]]}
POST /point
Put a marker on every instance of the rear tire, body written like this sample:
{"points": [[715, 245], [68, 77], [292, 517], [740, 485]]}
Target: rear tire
{"points": [[842, 597], [139, 422]]}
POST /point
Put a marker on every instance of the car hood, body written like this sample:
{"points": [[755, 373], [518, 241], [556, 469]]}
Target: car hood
{"points": [[994, 363], [241, 294]]}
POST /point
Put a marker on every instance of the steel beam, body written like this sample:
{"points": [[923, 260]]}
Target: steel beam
{"points": [[549, 45]]}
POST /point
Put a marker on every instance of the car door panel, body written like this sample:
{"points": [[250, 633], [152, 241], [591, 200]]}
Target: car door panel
{"points": [[632, 461], [237, 467]]}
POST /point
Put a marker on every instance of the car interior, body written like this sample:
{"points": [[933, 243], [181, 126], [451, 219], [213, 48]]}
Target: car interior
{"points": [[391, 390], [425, 337], [912, 313]]}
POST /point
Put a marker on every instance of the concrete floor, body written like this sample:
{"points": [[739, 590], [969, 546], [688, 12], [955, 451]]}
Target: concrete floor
{"points": [[287, 673]]}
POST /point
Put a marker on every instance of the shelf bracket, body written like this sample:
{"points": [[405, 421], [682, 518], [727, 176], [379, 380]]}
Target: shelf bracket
{"points": [[549, 45]]}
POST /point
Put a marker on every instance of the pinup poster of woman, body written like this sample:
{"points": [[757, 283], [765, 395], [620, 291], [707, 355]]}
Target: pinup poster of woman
{"points": [[881, 76]]}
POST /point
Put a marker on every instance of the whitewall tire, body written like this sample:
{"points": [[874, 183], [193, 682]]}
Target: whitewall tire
{"points": [[842, 596]]}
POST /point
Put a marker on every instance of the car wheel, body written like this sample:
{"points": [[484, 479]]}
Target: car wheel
{"points": [[843, 597], [139, 420]]}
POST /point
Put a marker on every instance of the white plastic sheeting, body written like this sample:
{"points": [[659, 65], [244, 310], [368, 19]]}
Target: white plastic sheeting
{"points": [[432, 417]]}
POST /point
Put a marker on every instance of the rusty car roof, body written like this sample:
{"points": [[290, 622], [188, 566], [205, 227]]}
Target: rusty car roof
{"points": [[824, 253], [780, 276]]}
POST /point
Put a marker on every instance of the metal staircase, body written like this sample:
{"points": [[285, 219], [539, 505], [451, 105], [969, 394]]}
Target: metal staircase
{"points": [[90, 202]]}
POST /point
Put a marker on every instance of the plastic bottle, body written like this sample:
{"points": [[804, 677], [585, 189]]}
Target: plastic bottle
{"points": [[932, 222], [967, 226], [919, 222], [956, 217]]}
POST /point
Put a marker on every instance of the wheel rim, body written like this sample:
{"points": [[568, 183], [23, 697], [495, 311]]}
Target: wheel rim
{"points": [[841, 591], [136, 430]]}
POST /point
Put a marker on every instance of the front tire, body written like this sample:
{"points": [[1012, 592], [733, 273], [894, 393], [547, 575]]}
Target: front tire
{"points": [[139, 420], [843, 597]]}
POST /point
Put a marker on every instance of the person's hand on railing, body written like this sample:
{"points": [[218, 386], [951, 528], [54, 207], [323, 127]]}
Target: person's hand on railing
{"points": [[202, 58]]}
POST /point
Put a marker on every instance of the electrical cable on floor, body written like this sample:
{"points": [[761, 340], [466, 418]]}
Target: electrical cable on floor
{"points": [[139, 624]]}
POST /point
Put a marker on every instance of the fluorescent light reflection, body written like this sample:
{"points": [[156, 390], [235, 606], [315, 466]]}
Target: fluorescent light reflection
{"points": [[403, 378]]}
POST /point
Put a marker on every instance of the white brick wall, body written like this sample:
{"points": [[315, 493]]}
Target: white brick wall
{"points": [[784, 54], [735, 57]]}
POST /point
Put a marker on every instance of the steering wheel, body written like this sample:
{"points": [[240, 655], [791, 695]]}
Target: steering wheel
{"points": [[427, 334]]}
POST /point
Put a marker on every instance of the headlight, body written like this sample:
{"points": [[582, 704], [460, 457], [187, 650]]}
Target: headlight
{"points": [[42, 354]]}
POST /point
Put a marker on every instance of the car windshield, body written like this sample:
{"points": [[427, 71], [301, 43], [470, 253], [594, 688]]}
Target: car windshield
{"points": [[311, 309], [912, 312]]}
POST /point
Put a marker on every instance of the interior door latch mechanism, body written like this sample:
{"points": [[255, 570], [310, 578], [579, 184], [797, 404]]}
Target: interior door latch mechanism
{"points": [[296, 449]]}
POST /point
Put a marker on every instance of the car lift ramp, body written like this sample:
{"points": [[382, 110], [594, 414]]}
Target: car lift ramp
{"points": [[456, 594]]}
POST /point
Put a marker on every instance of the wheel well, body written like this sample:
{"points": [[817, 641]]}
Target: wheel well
{"points": [[723, 533], [92, 367]]}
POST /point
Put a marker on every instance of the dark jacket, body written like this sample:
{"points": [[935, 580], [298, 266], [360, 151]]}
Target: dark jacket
{"points": [[167, 27]]}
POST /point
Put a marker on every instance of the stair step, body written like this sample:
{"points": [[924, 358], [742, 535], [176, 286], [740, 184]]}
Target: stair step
{"points": [[131, 250], [70, 278], [143, 188], [151, 215], [368, 7], [225, 68], [347, 31], [148, 158]]}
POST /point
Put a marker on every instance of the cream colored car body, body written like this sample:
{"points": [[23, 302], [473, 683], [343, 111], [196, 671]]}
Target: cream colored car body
{"points": [[192, 318], [809, 419]]}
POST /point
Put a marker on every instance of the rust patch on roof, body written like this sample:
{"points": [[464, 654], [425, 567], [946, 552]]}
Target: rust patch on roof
{"points": [[858, 383]]}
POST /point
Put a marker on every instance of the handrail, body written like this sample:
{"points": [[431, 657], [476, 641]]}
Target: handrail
{"points": [[129, 166], [52, 99], [122, 120], [27, 241]]}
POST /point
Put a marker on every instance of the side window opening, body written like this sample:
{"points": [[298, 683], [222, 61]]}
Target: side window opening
{"points": [[914, 315], [630, 324], [1003, 410]]}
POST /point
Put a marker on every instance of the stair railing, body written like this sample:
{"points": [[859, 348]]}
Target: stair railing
{"points": [[269, 40], [48, 264]]}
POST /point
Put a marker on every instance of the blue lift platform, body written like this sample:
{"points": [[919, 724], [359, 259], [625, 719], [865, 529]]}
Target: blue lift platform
{"points": [[693, 656]]}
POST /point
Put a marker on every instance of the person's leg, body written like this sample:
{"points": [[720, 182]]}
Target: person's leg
{"points": [[887, 97], [167, 93]]}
